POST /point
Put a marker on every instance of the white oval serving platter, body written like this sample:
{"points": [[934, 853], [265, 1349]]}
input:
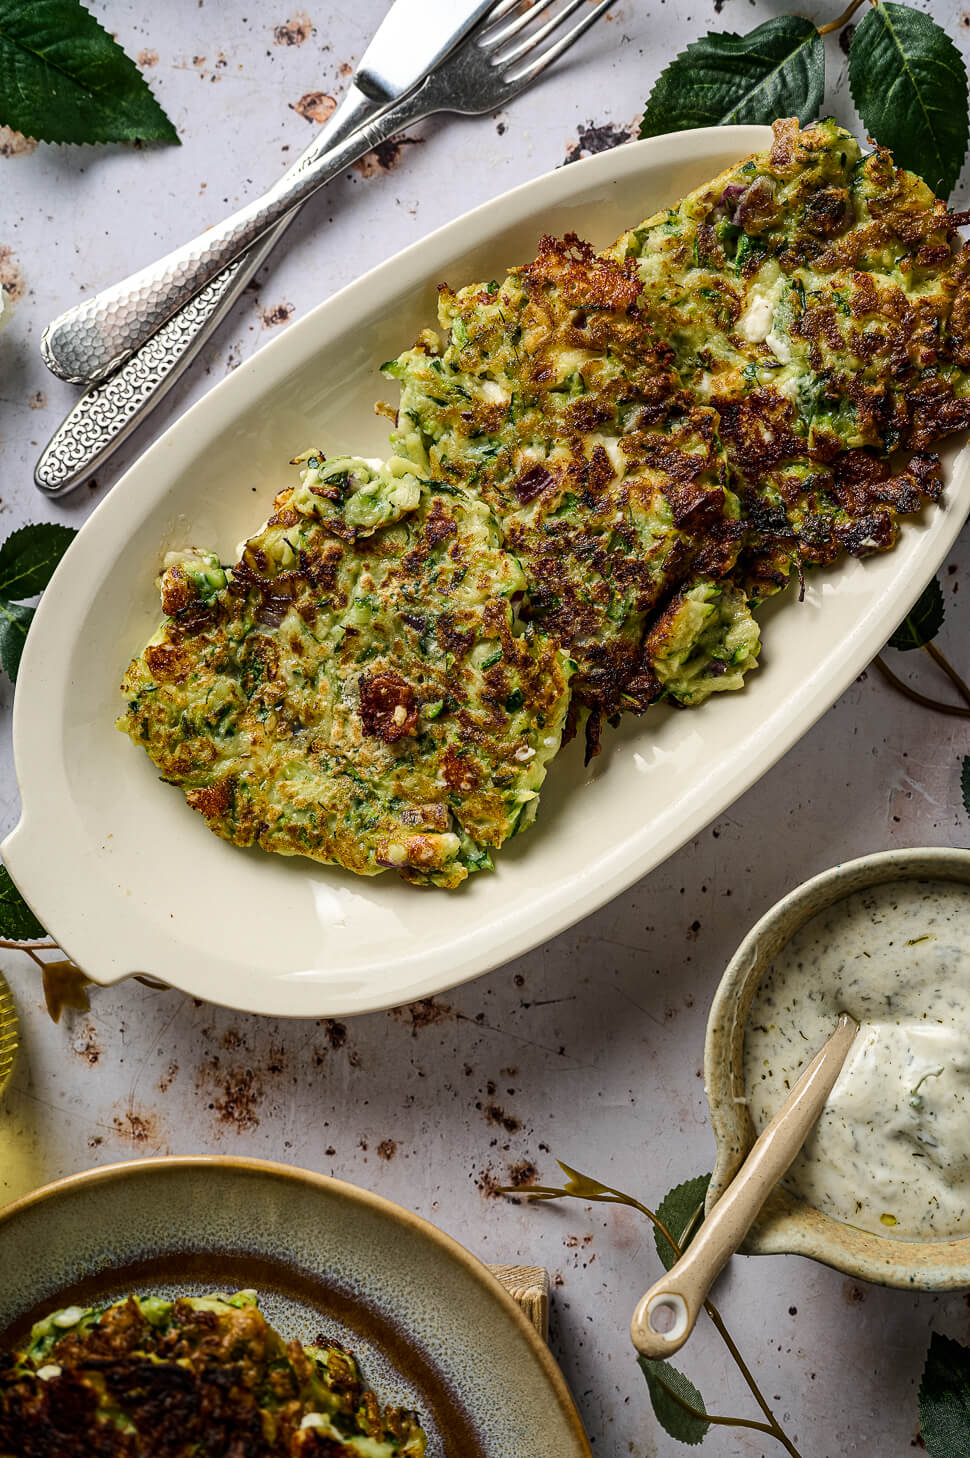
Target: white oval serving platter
{"points": [[128, 880]]}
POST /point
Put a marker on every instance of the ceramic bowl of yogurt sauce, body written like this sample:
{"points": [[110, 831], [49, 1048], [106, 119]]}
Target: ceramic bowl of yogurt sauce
{"points": [[881, 1189]]}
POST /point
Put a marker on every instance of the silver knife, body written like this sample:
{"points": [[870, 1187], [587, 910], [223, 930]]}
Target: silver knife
{"points": [[399, 57]]}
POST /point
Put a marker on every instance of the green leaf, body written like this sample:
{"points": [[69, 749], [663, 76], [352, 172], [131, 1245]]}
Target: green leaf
{"points": [[777, 69], [944, 1398], [682, 1211], [909, 84], [924, 621], [29, 555], [63, 78], [17, 922], [15, 619], [665, 1385], [965, 782]]}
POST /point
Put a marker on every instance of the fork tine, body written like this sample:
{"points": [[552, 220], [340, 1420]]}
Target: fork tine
{"points": [[529, 42], [524, 74], [502, 7], [498, 37]]}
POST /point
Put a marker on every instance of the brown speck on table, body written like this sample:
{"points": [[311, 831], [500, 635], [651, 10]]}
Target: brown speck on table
{"points": [[487, 1185], [147, 58], [523, 1174], [11, 279], [423, 1014], [494, 1114], [86, 1046], [384, 157], [37, 401], [237, 1094], [387, 1149], [314, 106], [294, 31], [168, 1078], [137, 1127], [15, 144], [592, 139], [345, 69], [278, 314], [336, 1033]]}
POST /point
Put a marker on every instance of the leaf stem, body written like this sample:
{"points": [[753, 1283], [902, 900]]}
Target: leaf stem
{"points": [[712, 1417], [843, 19], [610, 1196], [916, 696], [941, 660]]}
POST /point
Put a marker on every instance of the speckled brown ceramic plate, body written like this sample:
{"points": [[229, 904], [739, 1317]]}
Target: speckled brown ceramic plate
{"points": [[432, 1328]]}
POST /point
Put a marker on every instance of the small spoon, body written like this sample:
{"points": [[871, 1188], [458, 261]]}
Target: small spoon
{"points": [[665, 1317]]}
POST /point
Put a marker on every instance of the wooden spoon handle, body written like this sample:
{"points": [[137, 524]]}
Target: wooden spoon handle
{"points": [[665, 1316]]}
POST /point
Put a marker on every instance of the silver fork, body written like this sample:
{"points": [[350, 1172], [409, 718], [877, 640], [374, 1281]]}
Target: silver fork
{"points": [[91, 340]]}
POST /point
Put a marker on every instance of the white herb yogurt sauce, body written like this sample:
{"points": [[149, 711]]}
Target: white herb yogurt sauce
{"points": [[891, 1151]]}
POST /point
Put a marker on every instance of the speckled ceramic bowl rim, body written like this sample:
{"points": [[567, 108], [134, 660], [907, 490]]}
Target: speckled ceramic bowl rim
{"points": [[355, 1195], [787, 1225]]}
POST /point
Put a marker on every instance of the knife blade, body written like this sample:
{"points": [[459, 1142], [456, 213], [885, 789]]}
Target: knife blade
{"points": [[399, 57]]}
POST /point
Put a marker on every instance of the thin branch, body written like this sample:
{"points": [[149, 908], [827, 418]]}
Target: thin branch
{"points": [[941, 660], [29, 946], [957, 709], [843, 19]]}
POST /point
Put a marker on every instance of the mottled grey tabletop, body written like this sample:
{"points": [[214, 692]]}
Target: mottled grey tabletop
{"points": [[589, 1049]]}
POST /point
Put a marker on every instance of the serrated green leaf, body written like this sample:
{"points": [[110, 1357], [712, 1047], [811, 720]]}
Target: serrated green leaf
{"points": [[909, 84], [682, 1211], [63, 78], [777, 69], [665, 1385], [924, 620], [944, 1398], [965, 782], [29, 555], [15, 619], [17, 922]]}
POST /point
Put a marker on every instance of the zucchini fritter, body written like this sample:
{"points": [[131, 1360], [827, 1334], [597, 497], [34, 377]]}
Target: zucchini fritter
{"points": [[819, 300], [358, 688], [149, 1378], [554, 400]]}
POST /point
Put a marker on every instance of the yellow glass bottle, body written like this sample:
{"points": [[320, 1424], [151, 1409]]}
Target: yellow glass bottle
{"points": [[8, 1033]]}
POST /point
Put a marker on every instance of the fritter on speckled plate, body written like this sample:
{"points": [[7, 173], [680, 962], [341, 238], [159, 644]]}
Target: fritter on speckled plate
{"points": [[150, 1378], [358, 688]]}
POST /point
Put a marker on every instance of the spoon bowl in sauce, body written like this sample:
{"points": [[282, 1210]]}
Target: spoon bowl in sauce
{"points": [[881, 1189]]}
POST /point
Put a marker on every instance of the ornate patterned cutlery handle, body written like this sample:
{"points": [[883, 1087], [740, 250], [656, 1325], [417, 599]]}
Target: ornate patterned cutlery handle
{"points": [[107, 413]]}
